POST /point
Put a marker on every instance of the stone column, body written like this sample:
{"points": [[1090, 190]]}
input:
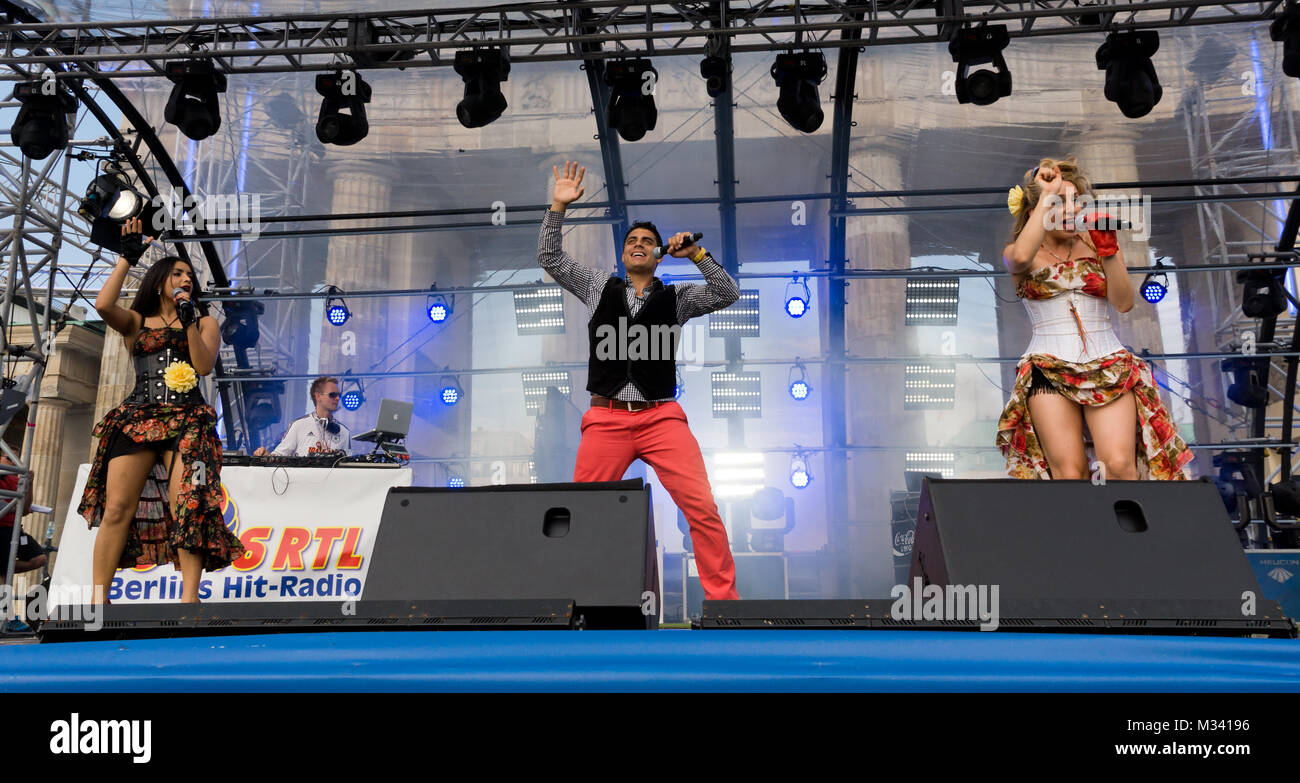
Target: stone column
{"points": [[874, 327]]}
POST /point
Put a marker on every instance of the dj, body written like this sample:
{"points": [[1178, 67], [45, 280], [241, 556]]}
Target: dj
{"points": [[318, 432]]}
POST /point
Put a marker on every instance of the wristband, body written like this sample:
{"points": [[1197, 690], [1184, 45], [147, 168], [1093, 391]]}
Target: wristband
{"points": [[698, 257]]}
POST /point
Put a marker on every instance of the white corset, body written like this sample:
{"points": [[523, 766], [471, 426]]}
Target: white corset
{"points": [[1057, 334]]}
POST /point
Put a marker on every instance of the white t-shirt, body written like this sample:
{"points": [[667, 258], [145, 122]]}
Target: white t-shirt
{"points": [[307, 436]]}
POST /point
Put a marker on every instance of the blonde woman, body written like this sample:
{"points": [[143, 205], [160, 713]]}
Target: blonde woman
{"points": [[1071, 274]]}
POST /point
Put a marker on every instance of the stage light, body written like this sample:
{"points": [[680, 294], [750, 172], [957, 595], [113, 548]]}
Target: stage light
{"points": [[1263, 295], [631, 110], [110, 201], [1131, 81], [437, 307], [797, 297], [737, 474], [342, 90], [193, 106], [536, 384], [355, 397], [262, 403], [336, 310], [455, 477], [800, 474], [483, 71], [797, 74], [450, 392], [739, 319], [738, 394], [976, 46], [717, 74], [1286, 28], [931, 301], [42, 125], [539, 311], [240, 329], [920, 462], [929, 386], [1247, 388], [1155, 285], [798, 381]]}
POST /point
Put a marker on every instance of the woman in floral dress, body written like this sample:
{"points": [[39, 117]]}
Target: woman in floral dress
{"points": [[1070, 273], [154, 489]]}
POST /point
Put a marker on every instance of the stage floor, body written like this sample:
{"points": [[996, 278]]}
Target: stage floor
{"points": [[665, 660]]}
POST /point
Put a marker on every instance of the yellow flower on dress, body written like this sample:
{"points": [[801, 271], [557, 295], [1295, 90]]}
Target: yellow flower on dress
{"points": [[1015, 199], [180, 377]]}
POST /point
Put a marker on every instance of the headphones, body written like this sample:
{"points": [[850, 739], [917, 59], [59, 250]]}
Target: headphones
{"points": [[331, 426]]}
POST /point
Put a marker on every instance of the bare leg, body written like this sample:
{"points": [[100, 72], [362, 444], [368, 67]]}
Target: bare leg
{"points": [[125, 482], [1114, 435], [1058, 423], [191, 563]]}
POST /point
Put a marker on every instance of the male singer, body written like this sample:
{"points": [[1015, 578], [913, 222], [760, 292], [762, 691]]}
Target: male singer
{"points": [[634, 413], [318, 432]]}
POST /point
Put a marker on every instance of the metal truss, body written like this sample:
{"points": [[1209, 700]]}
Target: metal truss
{"points": [[577, 30]]}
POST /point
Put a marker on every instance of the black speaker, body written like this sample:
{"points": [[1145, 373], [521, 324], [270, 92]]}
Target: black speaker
{"points": [[592, 543], [1079, 540]]}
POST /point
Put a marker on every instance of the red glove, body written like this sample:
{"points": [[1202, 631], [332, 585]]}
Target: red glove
{"points": [[1103, 239]]}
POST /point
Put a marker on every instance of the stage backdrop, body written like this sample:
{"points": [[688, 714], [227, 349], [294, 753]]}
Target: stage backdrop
{"points": [[308, 533]]}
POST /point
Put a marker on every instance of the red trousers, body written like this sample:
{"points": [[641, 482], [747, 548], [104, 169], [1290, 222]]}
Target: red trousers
{"points": [[659, 436]]}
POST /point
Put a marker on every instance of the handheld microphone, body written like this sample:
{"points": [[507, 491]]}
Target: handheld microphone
{"points": [[662, 249], [184, 307]]}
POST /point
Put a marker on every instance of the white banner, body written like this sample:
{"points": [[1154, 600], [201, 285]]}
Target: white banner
{"points": [[308, 534]]}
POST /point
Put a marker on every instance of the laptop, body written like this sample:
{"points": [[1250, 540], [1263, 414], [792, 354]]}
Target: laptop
{"points": [[393, 423]]}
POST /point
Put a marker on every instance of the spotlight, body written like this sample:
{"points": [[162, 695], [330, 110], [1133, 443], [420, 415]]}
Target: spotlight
{"points": [[800, 474], [450, 392], [110, 201], [798, 74], [540, 311], [1247, 388], [717, 74], [1155, 285], [483, 71], [192, 107], [342, 90], [1131, 81], [1286, 28], [240, 327], [42, 124], [1263, 295], [738, 394], [337, 312], [929, 386], [976, 46], [931, 301], [631, 109], [262, 403], [437, 307], [799, 386], [353, 398], [739, 319], [797, 298], [536, 384]]}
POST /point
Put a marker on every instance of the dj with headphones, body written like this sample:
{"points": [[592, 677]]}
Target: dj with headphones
{"points": [[318, 432]]}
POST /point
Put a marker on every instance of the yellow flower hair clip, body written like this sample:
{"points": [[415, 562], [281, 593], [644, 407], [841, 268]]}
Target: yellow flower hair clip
{"points": [[180, 377], [1015, 199]]}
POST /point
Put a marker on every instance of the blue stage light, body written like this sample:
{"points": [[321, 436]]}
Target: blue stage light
{"points": [[438, 308], [797, 297], [456, 482], [352, 399], [1153, 291], [338, 314], [800, 475], [796, 307], [800, 390], [798, 380]]}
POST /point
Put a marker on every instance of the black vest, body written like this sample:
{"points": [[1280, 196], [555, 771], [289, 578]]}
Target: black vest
{"points": [[640, 350]]}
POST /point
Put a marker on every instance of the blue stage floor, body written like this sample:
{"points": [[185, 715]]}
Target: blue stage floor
{"points": [[663, 660]]}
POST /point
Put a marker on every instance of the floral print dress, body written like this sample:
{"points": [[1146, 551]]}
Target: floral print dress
{"points": [[154, 534], [1161, 452]]}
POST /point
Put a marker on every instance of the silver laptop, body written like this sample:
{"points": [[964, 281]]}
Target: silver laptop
{"points": [[394, 417]]}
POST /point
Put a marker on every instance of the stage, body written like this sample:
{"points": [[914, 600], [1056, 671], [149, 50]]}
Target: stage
{"points": [[656, 661]]}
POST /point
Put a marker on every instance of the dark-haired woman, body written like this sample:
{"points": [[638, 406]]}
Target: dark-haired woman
{"points": [[154, 489]]}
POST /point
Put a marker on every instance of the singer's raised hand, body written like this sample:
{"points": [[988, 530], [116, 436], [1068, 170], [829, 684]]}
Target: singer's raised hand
{"points": [[682, 245], [568, 184]]}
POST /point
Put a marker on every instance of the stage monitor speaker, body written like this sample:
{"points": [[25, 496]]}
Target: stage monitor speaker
{"points": [[1079, 540], [592, 543]]}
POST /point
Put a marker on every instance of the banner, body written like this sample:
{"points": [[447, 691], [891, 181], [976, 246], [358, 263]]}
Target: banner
{"points": [[308, 534]]}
